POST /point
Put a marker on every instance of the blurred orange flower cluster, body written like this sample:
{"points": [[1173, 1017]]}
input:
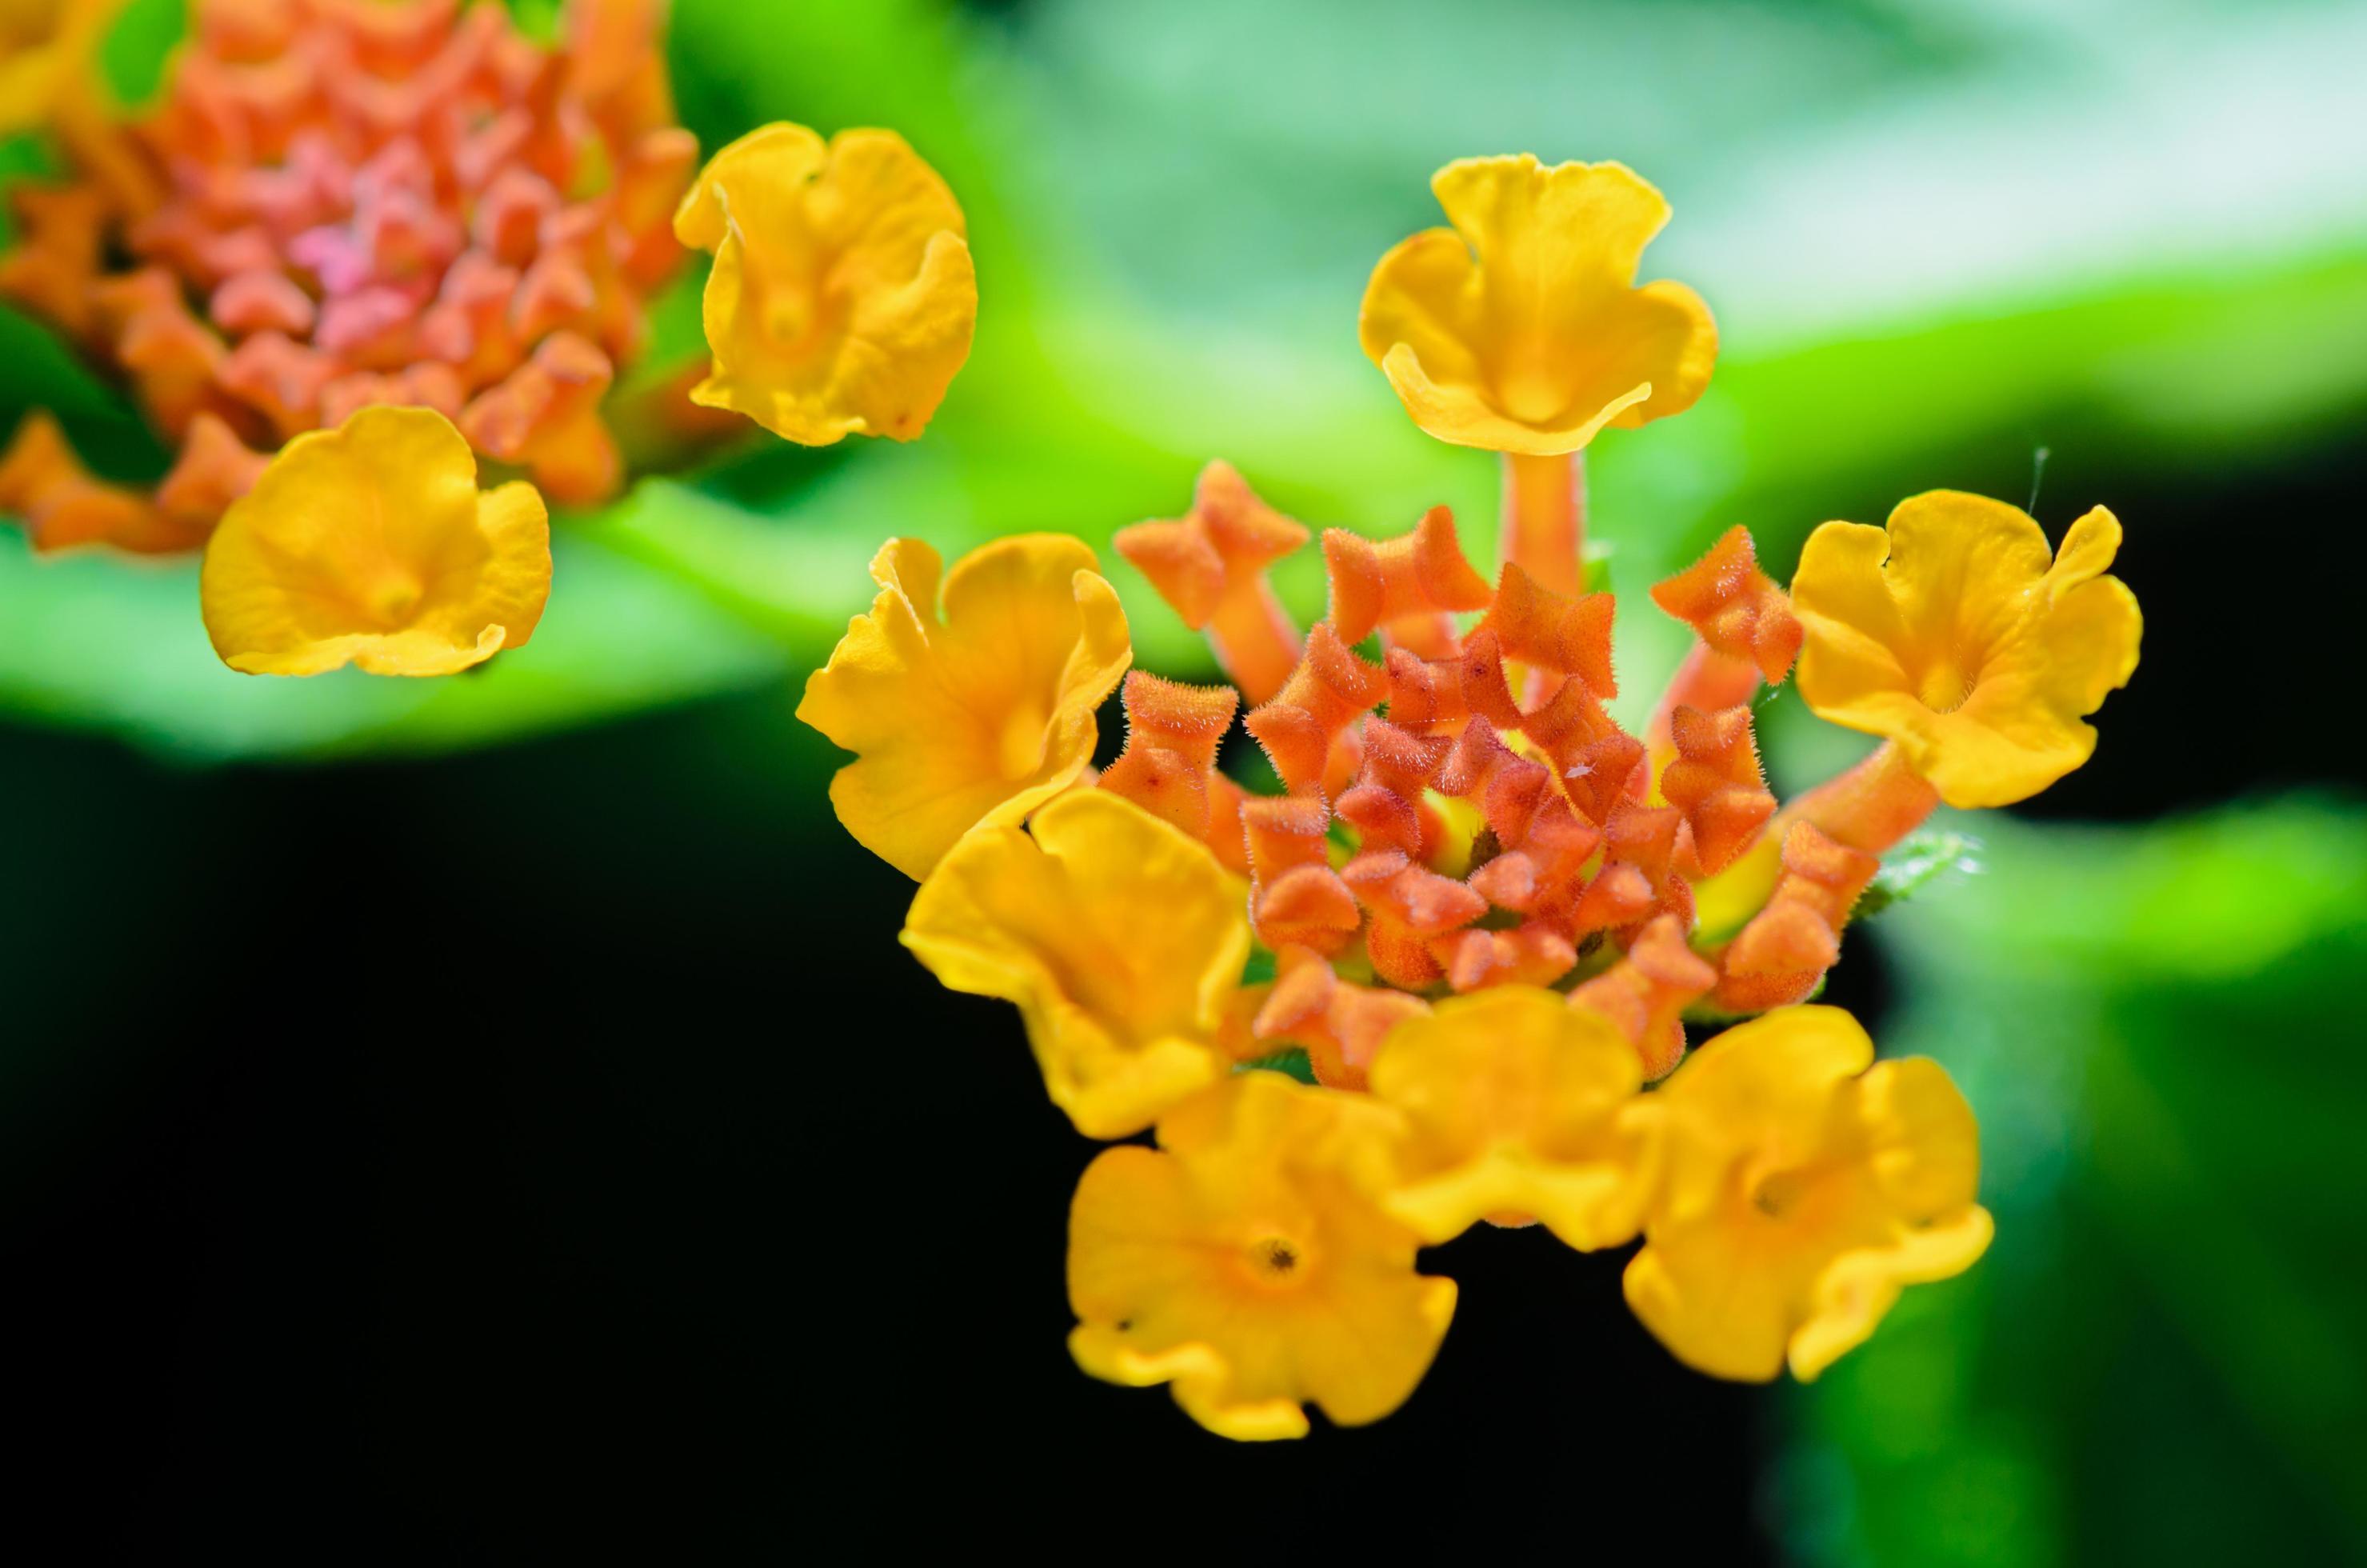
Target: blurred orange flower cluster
{"points": [[349, 208], [1485, 911], [338, 203]]}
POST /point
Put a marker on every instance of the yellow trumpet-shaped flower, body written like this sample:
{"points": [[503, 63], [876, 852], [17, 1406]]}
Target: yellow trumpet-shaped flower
{"points": [[371, 544], [1957, 634], [1246, 1263], [843, 297], [1803, 1190], [977, 719], [1520, 329], [1514, 1102], [1121, 940]]}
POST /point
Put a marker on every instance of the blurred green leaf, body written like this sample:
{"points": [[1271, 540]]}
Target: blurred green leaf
{"points": [[2164, 1357], [98, 640]]}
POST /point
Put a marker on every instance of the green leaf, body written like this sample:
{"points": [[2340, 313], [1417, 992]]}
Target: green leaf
{"points": [[1291, 1064], [2162, 1356], [1923, 860]]}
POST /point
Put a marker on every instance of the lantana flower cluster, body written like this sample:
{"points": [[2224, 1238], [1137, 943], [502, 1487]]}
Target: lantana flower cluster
{"points": [[1489, 925], [359, 249]]}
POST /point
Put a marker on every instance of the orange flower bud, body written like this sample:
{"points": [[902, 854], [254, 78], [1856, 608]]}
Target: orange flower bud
{"points": [[1647, 993], [1210, 565]]}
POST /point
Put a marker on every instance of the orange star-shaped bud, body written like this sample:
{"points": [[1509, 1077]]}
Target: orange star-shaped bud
{"points": [[1406, 586], [1210, 565], [1171, 734], [1330, 691], [1716, 780], [1647, 993], [1734, 606]]}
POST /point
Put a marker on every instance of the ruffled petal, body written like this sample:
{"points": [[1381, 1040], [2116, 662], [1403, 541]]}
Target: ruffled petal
{"points": [[1247, 1264], [843, 297], [977, 719], [1956, 633], [1120, 939], [370, 544], [1521, 328], [1511, 1100]]}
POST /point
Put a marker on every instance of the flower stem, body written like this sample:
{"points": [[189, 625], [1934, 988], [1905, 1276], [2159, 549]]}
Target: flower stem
{"points": [[1870, 807], [1543, 529]]}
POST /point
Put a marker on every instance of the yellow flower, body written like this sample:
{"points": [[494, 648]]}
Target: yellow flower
{"points": [[1246, 1263], [1952, 635], [1802, 1191], [843, 297], [976, 720], [1514, 1102], [41, 42], [372, 543], [1121, 940], [1520, 329]]}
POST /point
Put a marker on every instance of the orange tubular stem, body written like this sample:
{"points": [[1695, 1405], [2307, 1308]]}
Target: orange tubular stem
{"points": [[1545, 519], [1255, 640], [1869, 808]]}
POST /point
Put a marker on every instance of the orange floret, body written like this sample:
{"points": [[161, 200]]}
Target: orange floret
{"points": [[1640, 878], [1545, 874], [61, 239], [1645, 994], [1169, 766], [1210, 566], [1505, 786], [1733, 607], [1295, 898], [1339, 1024], [215, 468], [1306, 720], [1386, 807], [545, 417], [1531, 954], [1716, 780], [1592, 756], [1407, 905], [1538, 627], [63, 505], [1788, 946], [1435, 695], [1406, 587]]}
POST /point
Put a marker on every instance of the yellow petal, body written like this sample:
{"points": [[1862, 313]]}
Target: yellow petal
{"points": [[1765, 1084], [1719, 1311], [843, 297], [1952, 633], [1856, 1290], [1802, 1191], [371, 544], [977, 719], [1247, 1264], [1120, 939], [1511, 1100], [1922, 1145], [1520, 329]]}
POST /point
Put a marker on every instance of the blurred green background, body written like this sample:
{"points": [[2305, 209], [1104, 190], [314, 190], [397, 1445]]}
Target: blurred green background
{"points": [[1940, 239]]}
